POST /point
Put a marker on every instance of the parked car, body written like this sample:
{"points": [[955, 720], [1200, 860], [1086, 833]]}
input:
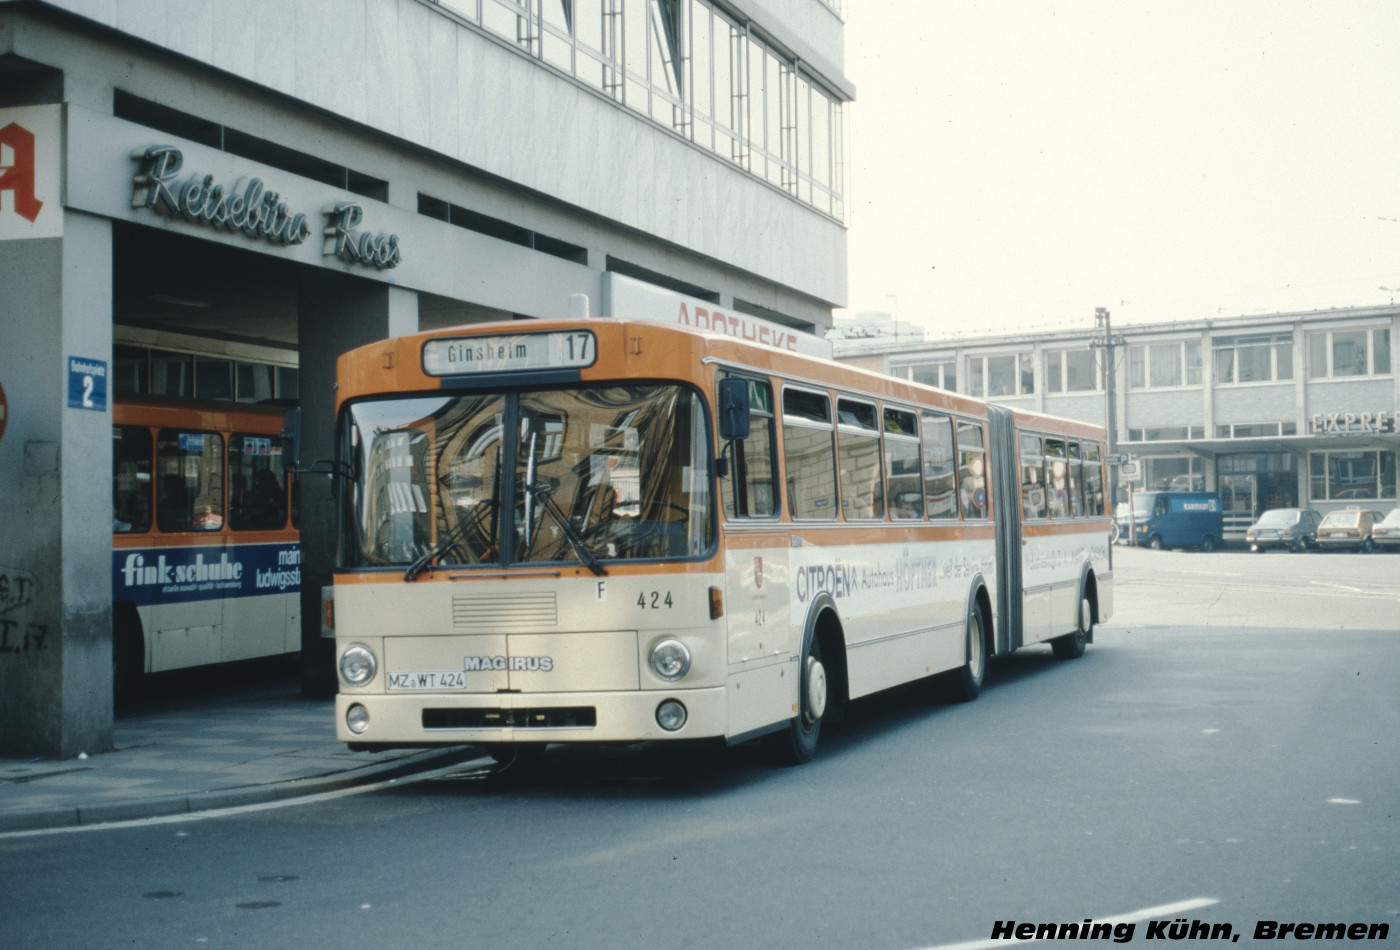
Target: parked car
{"points": [[1174, 519], [1386, 532], [1292, 528], [1341, 530]]}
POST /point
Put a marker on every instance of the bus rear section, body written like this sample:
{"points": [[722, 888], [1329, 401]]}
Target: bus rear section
{"points": [[206, 557]]}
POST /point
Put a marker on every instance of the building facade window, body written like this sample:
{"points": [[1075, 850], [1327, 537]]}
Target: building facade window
{"points": [[1071, 371], [144, 371], [1338, 354], [1255, 430], [1007, 375], [1164, 365], [1166, 433], [1174, 473], [1352, 475], [941, 372], [691, 68], [1255, 359]]}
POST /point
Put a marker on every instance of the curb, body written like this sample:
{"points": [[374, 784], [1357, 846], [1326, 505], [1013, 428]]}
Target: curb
{"points": [[69, 816]]}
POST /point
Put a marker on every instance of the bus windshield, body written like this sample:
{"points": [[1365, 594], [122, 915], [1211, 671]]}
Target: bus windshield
{"points": [[587, 475]]}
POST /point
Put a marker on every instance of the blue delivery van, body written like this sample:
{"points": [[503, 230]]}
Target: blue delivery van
{"points": [[1175, 519]]}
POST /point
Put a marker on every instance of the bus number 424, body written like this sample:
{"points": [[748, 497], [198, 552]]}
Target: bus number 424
{"points": [[654, 600]]}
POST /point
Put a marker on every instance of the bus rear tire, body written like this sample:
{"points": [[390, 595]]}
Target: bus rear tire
{"points": [[1071, 645], [1207, 544], [796, 743], [965, 684]]}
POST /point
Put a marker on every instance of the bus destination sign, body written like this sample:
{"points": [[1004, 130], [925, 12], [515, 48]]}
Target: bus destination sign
{"points": [[514, 353]]}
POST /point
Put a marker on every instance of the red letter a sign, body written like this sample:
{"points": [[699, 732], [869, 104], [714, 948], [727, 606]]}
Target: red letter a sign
{"points": [[18, 177]]}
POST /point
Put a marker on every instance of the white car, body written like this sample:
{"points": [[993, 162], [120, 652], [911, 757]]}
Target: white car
{"points": [[1385, 534]]}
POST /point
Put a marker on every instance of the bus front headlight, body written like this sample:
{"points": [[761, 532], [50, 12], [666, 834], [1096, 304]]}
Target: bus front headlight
{"points": [[670, 659], [357, 665]]}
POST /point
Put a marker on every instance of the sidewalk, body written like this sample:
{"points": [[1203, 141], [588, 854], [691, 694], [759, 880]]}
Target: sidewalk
{"points": [[236, 747]]}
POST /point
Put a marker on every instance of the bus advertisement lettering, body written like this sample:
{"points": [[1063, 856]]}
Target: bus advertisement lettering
{"points": [[147, 576]]}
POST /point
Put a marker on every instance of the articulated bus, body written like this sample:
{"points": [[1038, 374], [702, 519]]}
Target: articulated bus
{"points": [[608, 531], [206, 556]]}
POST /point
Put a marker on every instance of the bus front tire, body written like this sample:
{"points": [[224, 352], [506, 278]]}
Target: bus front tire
{"points": [[965, 684], [1155, 543], [1207, 544], [797, 742]]}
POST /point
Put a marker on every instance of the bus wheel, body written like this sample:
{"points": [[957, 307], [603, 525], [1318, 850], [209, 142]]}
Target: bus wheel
{"points": [[1071, 645], [1207, 544], [965, 684], [797, 743], [1156, 542]]}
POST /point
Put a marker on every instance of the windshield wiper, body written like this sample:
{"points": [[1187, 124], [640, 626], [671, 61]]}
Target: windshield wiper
{"points": [[540, 493], [449, 540]]}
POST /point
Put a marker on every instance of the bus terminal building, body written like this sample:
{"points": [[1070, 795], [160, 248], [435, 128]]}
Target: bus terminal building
{"points": [[209, 203], [1281, 411]]}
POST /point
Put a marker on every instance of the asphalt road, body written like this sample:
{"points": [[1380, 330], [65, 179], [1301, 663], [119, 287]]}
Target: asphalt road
{"points": [[1205, 772], [1315, 590]]}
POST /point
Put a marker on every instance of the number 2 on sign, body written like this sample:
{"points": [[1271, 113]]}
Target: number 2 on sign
{"points": [[654, 600]]}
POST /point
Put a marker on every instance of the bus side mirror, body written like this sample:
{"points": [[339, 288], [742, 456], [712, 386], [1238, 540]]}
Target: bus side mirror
{"points": [[733, 408], [291, 439]]}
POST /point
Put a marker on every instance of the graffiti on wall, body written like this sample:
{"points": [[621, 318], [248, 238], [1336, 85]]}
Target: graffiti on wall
{"points": [[18, 632]]}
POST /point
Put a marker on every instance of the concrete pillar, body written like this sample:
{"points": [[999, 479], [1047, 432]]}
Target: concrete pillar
{"points": [[55, 473], [336, 313]]}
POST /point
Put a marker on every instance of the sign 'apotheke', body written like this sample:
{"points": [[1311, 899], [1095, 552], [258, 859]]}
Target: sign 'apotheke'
{"points": [[249, 207], [30, 142]]}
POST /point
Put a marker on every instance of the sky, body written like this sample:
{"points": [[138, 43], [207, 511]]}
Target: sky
{"points": [[1016, 164]]}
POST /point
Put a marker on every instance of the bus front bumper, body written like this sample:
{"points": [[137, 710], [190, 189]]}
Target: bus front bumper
{"points": [[435, 719]]}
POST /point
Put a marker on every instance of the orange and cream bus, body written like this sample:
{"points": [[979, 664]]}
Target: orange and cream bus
{"points": [[206, 557], [602, 530]]}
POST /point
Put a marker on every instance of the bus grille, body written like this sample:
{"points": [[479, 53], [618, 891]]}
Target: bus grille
{"points": [[497, 611], [556, 717]]}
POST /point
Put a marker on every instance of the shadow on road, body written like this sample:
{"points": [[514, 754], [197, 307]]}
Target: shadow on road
{"points": [[664, 770]]}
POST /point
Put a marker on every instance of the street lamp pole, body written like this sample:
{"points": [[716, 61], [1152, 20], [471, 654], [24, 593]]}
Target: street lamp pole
{"points": [[1108, 343]]}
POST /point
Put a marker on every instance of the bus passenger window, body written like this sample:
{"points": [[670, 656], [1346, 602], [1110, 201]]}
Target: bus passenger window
{"points": [[752, 470], [858, 458], [1033, 502], [190, 486], [257, 487], [808, 454], [906, 492], [940, 470], [1076, 481], [131, 479], [972, 471], [1093, 481], [1056, 479]]}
